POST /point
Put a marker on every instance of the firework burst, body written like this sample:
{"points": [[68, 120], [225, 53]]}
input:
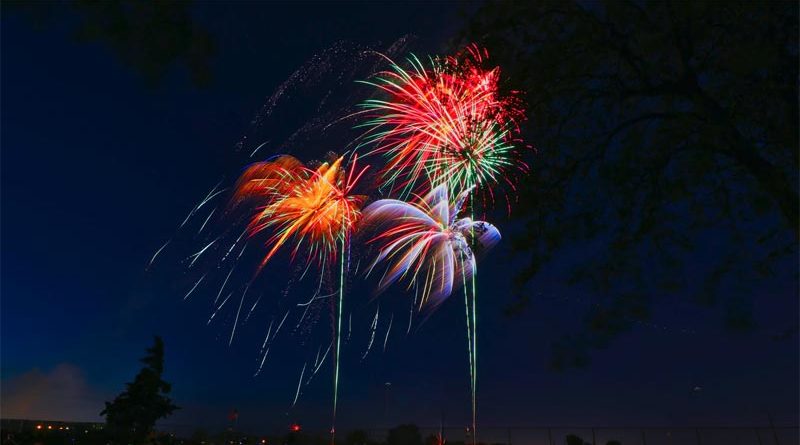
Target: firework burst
{"points": [[426, 244], [314, 207], [446, 124]]}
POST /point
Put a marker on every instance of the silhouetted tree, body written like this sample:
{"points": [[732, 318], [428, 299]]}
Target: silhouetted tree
{"points": [[572, 439], [150, 37], [133, 413], [404, 435], [357, 437], [436, 439], [665, 132], [199, 436]]}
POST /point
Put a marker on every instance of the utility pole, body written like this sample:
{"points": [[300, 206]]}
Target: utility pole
{"points": [[772, 427], [387, 387]]}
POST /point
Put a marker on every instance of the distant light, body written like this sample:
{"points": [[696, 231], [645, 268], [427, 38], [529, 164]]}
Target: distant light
{"points": [[49, 427], [38, 427], [66, 428], [295, 427], [263, 440]]}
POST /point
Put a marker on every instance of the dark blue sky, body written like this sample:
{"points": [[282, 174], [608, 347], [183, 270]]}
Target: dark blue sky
{"points": [[98, 170]]}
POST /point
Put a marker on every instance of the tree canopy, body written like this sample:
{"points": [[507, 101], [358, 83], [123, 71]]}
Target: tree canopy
{"points": [[133, 413], [151, 38], [666, 138]]}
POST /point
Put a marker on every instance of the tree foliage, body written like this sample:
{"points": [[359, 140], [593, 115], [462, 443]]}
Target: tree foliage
{"points": [[357, 437], [666, 134], [152, 38], [133, 413], [404, 435]]}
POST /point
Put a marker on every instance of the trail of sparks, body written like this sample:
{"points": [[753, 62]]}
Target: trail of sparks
{"points": [[203, 226], [281, 324], [411, 310], [197, 255], [219, 307], [266, 340], [474, 364], [156, 254], [234, 245], [252, 308], [238, 311], [338, 341], [194, 287], [316, 359], [316, 367], [388, 331], [258, 148], [307, 305], [349, 326], [299, 384], [372, 329], [261, 365], [223, 284], [474, 350], [324, 357], [472, 334], [211, 195], [263, 346], [241, 252], [470, 350], [269, 330]]}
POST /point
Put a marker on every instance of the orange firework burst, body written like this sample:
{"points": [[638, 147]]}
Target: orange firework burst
{"points": [[312, 206]]}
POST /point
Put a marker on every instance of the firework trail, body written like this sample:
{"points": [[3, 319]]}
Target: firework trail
{"points": [[150, 263], [299, 384], [313, 207], [425, 243], [373, 329], [197, 283]]}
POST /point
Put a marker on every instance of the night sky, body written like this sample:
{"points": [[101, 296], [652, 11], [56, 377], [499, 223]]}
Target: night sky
{"points": [[98, 169]]}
